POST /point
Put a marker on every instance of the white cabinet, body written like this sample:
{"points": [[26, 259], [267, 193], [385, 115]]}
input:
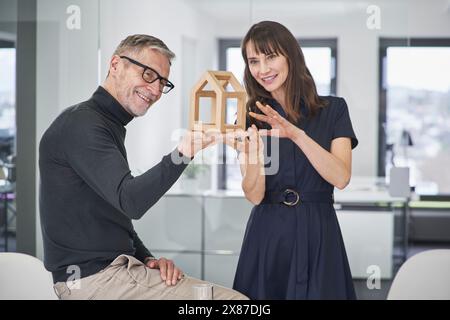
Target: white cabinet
{"points": [[203, 234], [173, 229], [220, 269], [225, 222], [369, 240]]}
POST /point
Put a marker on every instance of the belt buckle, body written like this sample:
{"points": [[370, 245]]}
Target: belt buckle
{"points": [[291, 203]]}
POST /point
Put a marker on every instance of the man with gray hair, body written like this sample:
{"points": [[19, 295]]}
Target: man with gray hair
{"points": [[88, 196]]}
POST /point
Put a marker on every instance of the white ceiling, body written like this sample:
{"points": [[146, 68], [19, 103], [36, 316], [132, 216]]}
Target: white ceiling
{"points": [[231, 10]]}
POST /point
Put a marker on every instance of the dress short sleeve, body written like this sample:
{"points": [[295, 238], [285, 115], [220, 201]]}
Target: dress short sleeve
{"points": [[343, 125]]}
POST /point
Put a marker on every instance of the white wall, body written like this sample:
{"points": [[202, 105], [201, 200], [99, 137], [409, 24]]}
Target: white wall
{"points": [[149, 137], [68, 65], [67, 60], [8, 20]]}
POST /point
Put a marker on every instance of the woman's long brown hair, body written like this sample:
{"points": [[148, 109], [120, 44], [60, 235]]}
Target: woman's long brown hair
{"points": [[272, 37]]}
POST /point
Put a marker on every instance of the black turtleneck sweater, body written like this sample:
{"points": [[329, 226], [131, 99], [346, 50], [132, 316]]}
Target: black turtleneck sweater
{"points": [[88, 196]]}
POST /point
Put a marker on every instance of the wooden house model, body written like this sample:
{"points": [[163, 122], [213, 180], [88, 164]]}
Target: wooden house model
{"points": [[219, 84]]}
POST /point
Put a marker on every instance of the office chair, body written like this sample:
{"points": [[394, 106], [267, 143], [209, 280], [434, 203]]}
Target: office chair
{"points": [[424, 276], [24, 277]]}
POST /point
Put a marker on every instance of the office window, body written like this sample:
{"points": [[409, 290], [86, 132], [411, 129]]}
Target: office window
{"points": [[7, 98], [320, 56], [415, 111]]}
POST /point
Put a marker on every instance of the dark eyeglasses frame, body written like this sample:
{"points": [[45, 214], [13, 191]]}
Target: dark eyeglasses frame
{"points": [[167, 83]]}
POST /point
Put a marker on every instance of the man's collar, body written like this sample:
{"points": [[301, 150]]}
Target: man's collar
{"points": [[111, 106]]}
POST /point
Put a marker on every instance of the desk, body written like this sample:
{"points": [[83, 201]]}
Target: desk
{"points": [[203, 231]]}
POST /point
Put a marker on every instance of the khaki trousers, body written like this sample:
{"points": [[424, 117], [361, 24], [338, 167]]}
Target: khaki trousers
{"points": [[128, 278]]}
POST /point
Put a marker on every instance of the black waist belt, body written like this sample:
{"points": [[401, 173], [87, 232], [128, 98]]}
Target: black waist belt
{"points": [[291, 197]]}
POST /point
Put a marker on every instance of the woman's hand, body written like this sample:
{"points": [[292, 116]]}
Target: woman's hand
{"points": [[251, 160], [237, 139], [248, 142], [281, 127]]}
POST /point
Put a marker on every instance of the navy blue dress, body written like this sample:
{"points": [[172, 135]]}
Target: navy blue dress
{"points": [[297, 252]]}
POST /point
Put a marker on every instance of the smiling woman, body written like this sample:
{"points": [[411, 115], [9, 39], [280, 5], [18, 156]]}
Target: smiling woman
{"points": [[292, 248], [269, 69], [277, 72], [320, 57]]}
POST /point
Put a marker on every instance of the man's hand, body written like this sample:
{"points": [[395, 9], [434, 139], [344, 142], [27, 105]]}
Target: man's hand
{"points": [[169, 272], [194, 141]]}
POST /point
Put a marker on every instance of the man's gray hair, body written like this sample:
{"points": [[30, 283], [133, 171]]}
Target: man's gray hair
{"points": [[135, 43]]}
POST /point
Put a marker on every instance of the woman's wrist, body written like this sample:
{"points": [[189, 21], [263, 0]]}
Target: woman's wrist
{"points": [[253, 158], [297, 135]]}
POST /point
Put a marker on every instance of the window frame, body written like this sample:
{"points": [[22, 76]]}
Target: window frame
{"points": [[383, 45], [9, 44]]}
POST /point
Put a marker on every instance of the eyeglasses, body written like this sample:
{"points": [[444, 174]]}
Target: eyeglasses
{"points": [[150, 75]]}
